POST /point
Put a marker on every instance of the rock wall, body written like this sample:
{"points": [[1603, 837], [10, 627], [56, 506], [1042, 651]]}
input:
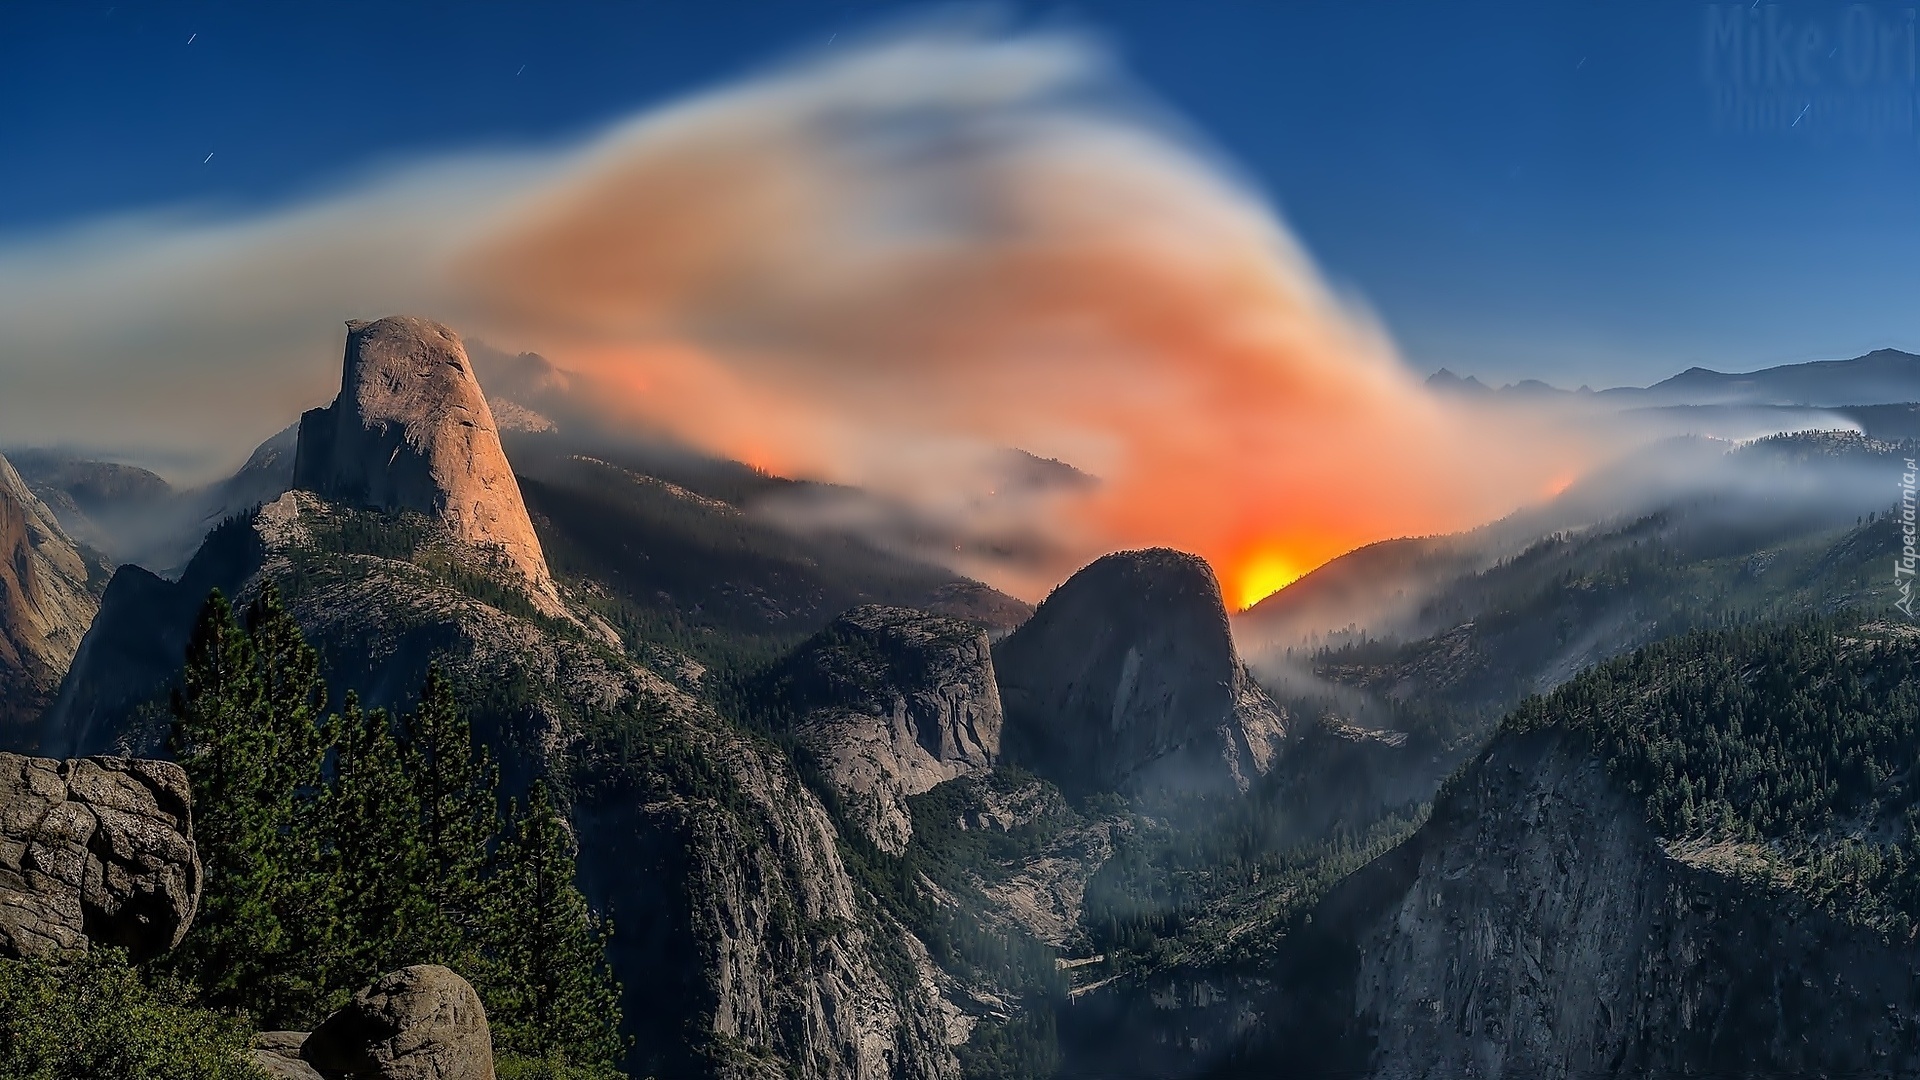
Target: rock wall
{"points": [[761, 957], [890, 702], [1548, 933], [1533, 928], [742, 939], [46, 606]]}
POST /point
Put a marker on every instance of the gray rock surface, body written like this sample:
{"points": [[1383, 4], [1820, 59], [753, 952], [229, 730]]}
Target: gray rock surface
{"points": [[278, 1055], [95, 850], [753, 937], [714, 875], [46, 606], [1546, 932], [412, 431], [745, 945], [1126, 678], [892, 701], [419, 1023]]}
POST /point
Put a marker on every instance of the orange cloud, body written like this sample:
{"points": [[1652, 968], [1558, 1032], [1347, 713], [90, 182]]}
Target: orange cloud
{"points": [[883, 266]]}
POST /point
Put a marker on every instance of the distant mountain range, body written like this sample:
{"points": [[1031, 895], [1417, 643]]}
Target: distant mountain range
{"points": [[1881, 377]]}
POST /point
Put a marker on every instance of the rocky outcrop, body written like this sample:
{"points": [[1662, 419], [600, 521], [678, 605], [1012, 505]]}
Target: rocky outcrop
{"points": [[890, 702], [277, 1053], [745, 945], [419, 1023], [412, 431], [761, 956], [113, 699], [1126, 678], [95, 850], [46, 605]]}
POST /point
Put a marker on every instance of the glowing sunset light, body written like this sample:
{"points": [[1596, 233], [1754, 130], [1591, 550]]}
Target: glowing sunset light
{"points": [[1265, 573]]}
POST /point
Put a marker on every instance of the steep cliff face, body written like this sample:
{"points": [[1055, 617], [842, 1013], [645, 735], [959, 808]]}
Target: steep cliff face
{"points": [[744, 944], [46, 605], [731, 897], [1126, 678], [1537, 927], [741, 938], [412, 431], [890, 702], [1546, 932]]}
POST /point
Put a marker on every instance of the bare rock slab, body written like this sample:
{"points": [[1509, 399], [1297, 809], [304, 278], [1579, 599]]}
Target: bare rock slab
{"points": [[891, 702]]}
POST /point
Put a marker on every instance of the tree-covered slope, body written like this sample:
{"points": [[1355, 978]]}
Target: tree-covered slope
{"points": [[1787, 749], [1696, 859]]}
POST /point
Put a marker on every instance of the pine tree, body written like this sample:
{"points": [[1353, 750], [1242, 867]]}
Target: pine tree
{"points": [[374, 853], [243, 720], [456, 783], [317, 880], [292, 699], [553, 996]]}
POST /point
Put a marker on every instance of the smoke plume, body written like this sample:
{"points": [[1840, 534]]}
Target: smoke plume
{"points": [[885, 265]]}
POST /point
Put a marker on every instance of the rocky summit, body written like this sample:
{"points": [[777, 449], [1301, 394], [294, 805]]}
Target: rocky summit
{"points": [[46, 603], [891, 702], [1126, 677], [412, 431]]}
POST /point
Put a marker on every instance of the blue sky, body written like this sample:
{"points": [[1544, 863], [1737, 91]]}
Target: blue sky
{"points": [[1578, 191]]}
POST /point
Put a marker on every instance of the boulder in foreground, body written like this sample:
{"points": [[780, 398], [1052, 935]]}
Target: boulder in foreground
{"points": [[95, 850], [419, 1023]]}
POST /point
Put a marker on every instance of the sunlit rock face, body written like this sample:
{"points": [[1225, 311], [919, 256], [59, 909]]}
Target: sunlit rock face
{"points": [[1126, 678], [45, 606], [412, 431]]}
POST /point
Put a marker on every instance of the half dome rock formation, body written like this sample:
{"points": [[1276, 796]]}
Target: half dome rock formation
{"points": [[1126, 678], [95, 850], [46, 605], [890, 702], [412, 431]]}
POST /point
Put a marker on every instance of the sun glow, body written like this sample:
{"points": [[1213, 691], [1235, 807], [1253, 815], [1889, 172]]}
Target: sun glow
{"points": [[1264, 573]]}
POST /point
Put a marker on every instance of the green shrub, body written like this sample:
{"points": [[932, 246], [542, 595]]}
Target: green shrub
{"points": [[515, 1067], [94, 1018]]}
